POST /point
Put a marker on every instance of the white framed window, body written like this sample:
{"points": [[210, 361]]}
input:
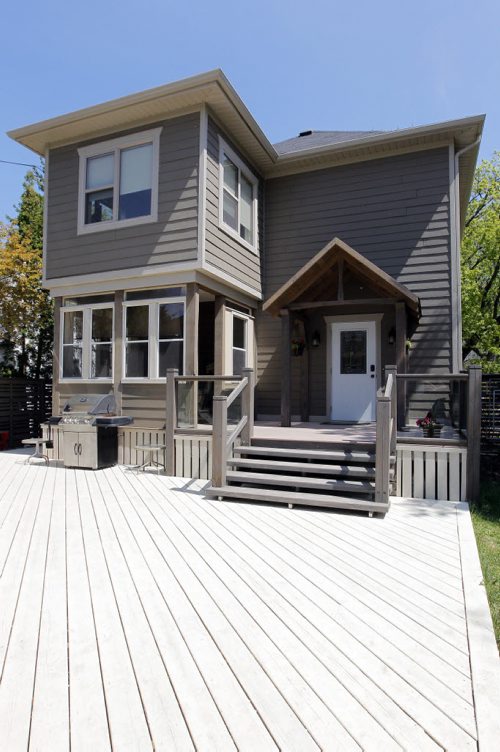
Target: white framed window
{"points": [[118, 182], [153, 335], [86, 341], [238, 198], [239, 342]]}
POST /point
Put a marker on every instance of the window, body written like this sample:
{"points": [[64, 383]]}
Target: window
{"points": [[238, 198], [239, 344], [119, 182], [87, 341], [154, 334]]}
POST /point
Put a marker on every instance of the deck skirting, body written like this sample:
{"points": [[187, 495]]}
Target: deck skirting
{"points": [[431, 472]]}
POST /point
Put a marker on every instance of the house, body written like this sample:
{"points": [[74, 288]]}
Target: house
{"points": [[177, 236]]}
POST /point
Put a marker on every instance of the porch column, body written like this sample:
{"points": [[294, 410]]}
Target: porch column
{"points": [[219, 340], [401, 336], [191, 348], [56, 364], [286, 367], [118, 351]]}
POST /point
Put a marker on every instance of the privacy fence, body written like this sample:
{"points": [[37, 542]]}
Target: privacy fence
{"points": [[490, 426], [24, 404]]}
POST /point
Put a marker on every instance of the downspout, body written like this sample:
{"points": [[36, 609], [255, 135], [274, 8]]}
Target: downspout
{"points": [[455, 250]]}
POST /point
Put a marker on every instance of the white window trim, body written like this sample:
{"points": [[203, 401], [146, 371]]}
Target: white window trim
{"points": [[224, 148], [249, 340], [153, 340], [114, 146], [85, 378]]}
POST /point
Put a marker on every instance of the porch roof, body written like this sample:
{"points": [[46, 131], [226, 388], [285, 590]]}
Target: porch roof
{"points": [[336, 250]]}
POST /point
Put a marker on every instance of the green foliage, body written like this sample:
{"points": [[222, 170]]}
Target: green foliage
{"points": [[481, 267], [486, 521], [26, 320]]}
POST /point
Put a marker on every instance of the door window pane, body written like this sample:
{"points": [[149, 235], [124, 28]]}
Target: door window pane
{"points": [[246, 210], [99, 206], [170, 356], [239, 332], [136, 172], [136, 360], [171, 321], [353, 352], [100, 171], [138, 322], [230, 210]]}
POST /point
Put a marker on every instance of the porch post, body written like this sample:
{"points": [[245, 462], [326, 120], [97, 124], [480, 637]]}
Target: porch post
{"points": [[219, 340], [473, 432], [170, 421], [247, 403], [286, 367], [394, 405], [118, 351], [191, 348], [56, 363], [401, 336]]}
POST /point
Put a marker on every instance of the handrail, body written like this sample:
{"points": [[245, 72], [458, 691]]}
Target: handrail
{"points": [[208, 378], [234, 435], [236, 391]]}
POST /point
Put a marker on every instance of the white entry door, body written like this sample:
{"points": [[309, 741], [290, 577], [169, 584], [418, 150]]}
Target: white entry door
{"points": [[354, 376]]}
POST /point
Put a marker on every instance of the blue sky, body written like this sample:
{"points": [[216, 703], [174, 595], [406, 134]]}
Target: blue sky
{"points": [[297, 65]]}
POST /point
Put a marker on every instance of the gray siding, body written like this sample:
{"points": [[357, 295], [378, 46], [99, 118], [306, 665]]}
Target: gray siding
{"points": [[145, 403], [174, 238], [221, 250], [395, 211]]}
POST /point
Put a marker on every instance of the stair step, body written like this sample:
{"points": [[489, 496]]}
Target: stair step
{"points": [[306, 467], [294, 497], [313, 454], [298, 481]]}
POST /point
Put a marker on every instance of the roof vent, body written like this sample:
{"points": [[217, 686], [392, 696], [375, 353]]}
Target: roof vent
{"points": [[305, 133]]}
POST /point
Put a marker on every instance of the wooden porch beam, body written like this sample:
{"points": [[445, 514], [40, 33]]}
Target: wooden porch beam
{"points": [[286, 367], [340, 282], [192, 321], [118, 351], [219, 338], [340, 303], [401, 336]]}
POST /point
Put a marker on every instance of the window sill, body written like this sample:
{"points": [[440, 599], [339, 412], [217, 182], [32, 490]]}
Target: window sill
{"points": [[138, 380], [234, 235], [77, 380], [117, 224]]}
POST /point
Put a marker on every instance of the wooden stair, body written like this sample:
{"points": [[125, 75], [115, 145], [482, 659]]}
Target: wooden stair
{"points": [[339, 475]]}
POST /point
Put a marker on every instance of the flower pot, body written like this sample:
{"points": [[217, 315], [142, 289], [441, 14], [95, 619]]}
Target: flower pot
{"points": [[432, 432]]}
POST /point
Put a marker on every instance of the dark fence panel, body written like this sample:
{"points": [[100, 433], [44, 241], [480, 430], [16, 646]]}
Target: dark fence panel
{"points": [[24, 404], [490, 426]]}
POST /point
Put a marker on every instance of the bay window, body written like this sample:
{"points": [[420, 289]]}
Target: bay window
{"points": [[119, 182], [154, 333], [238, 198], [87, 339]]}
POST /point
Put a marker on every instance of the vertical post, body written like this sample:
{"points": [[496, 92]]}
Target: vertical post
{"points": [[286, 367], [382, 450], [170, 421], [473, 432], [56, 408], [304, 372], [219, 340], [340, 282], [118, 352], [191, 347], [219, 438], [394, 405], [401, 337], [247, 403]]}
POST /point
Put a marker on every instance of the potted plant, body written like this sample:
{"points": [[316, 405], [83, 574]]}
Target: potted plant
{"points": [[298, 346], [429, 425]]}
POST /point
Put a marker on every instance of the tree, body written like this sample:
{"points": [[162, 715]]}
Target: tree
{"points": [[481, 267], [26, 320]]}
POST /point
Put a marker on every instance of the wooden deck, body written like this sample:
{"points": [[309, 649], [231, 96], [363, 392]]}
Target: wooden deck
{"points": [[336, 433], [137, 615]]}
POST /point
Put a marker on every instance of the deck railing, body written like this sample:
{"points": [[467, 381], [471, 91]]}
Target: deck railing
{"points": [[233, 411], [463, 393]]}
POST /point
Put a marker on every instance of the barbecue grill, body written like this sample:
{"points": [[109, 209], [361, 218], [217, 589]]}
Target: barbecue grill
{"points": [[90, 430]]}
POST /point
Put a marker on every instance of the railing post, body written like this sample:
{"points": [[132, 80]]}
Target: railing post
{"points": [[382, 449], [247, 406], [473, 432], [219, 438], [394, 405], [170, 421]]}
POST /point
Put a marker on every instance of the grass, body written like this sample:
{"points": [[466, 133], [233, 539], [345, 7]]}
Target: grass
{"points": [[486, 521]]}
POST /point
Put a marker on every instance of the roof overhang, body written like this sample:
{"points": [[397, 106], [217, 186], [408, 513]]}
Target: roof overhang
{"points": [[327, 258], [212, 89]]}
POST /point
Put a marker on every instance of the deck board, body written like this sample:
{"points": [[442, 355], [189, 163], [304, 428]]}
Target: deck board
{"points": [[137, 614]]}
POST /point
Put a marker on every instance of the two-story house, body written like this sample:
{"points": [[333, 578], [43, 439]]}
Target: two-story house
{"points": [[177, 236]]}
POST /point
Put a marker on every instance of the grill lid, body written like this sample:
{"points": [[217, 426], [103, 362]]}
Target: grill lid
{"points": [[90, 404]]}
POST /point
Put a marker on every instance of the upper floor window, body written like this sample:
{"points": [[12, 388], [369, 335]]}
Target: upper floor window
{"points": [[87, 339], [119, 182], [238, 198]]}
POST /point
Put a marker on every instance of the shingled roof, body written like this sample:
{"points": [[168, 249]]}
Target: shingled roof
{"points": [[313, 139]]}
